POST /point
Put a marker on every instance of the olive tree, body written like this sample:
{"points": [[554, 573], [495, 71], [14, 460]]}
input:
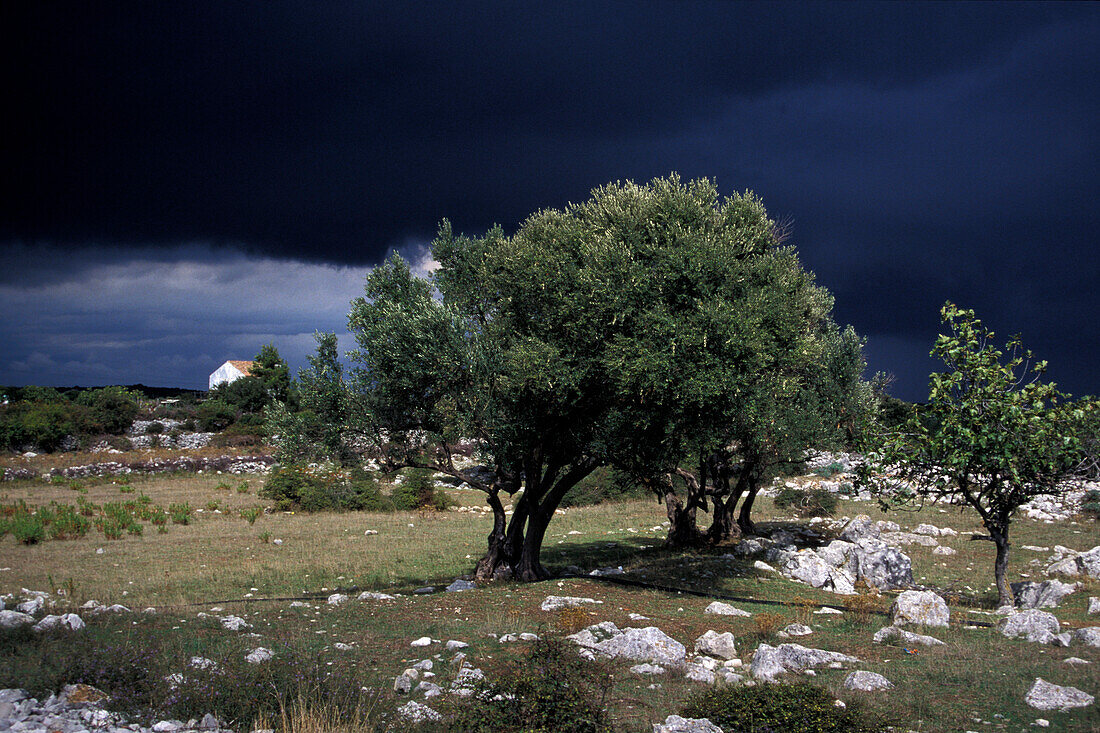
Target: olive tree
{"points": [[993, 435], [628, 329]]}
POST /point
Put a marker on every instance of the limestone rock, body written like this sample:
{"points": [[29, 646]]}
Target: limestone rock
{"points": [[372, 596], [69, 621], [795, 630], [718, 645], [810, 568], [1047, 594], [402, 684], [906, 637], [1034, 625], [881, 565], [866, 681], [647, 669], [259, 655], [944, 550], [769, 662], [1094, 605], [415, 712], [459, 585], [724, 609], [921, 607], [1078, 563], [859, 528], [676, 724], [1090, 635], [10, 619], [649, 644], [557, 603], [233, 623], [699, 673], [336, 599], [1046, 696], [747, 547]]}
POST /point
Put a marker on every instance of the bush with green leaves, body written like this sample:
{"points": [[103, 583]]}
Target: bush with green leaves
{"points": [[603, 485], [1090, 504], [418, 491], [215, 414], [553, 689], [806, 502], [785, 706], [310, 489], [28, 528], [112, 408]]}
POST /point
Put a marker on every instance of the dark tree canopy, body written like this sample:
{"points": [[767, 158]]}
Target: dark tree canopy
{"points": [[646, 327]]}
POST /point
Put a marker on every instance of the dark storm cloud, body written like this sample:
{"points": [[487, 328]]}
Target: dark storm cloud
{"points": [[921, 151]]}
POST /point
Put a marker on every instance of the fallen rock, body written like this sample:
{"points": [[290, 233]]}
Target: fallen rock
{"points": [[920, 607], [906, 637], [233, 623], [259, 655], [866, 681], [1046, 594], [1046, 696], [336, 599], [795, 630], [68, 621], [1090, 636], [415, 712], [402, 684], [859, 528], [714, 644], [676, 724], [649, 644], [1094, 605], [557, 603], [460, 585], [944, 550], [769, 662], [372, 596], [699, 673], [881, 565], [10, 619], [422, 641], [724, 609], [647, 669], [1078, 563], [810, 568], [1033, 625]]}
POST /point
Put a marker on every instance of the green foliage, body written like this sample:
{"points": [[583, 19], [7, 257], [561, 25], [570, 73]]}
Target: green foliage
{"points": [[603, 485], [215, 414], [27, 528], [554, 689], [779, 707], [251, 514], [295, 486], [1090, 504], [112, 408], [806, 502], [993, 434], [181, 513], [418, 491], [272, 372], [830, 470], [244, 395]]}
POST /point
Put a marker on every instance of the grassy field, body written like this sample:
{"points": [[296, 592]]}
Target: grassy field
{"points": [[976, 682]]}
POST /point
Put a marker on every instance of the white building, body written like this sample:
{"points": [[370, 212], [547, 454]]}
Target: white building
{"points": [[230, 371]]}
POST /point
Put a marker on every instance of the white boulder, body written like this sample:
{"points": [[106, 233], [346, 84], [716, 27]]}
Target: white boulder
{"points": [[920, 607]]}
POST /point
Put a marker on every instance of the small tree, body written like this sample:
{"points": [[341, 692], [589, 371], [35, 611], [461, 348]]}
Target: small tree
{"points": [[993, 435], [272, 370]]}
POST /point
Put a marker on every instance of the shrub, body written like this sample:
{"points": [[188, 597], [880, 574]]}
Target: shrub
{"points": [[830, 470], [180, 513], [112, 408], [154, 428], [603, 485], [251, 514], [68, 523], [784, 706], [814, 502], [1090, 504], [215, 414], [418, 491], [295, 486], [28, 528], [553, 689]]}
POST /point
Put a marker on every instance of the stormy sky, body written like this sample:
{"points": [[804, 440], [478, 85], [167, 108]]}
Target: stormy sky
{"points": [[189, 181]]}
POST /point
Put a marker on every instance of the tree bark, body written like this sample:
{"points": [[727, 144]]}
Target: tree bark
{"points": [[497, 551], [744, 517], [1000, 567]]}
